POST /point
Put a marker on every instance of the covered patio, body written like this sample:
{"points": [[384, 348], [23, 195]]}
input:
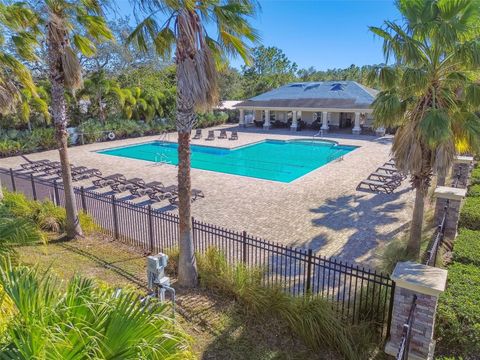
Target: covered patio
{"points": [[324, 106]]}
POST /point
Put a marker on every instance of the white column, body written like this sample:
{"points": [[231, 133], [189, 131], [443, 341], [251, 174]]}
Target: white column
{"points": [[294, 125], [266, 125], [324, 121], [241, 121], [356, 128]]}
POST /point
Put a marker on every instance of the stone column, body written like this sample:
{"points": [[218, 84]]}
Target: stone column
{"points": [[325, 121], [453, 198], [356, 128], [241, 121], [294, 125], [462, 166], [266, 124], [426, 283]]}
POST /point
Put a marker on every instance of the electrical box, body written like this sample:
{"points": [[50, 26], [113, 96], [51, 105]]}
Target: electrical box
{"points": [[156, 265]]}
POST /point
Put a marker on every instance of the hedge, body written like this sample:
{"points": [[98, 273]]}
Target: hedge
{"points": [[475, 177], [458, 317], [470, 215], [467, 247], [474, 190]]}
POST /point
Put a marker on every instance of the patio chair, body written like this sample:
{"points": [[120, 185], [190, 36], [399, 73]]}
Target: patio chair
{"points": [[388, 169], [233, 136], [159, 196], [108, 180], [33, 164], [223, 134], [386, 177], [196, 194], [145, 189], [198, 134], [211, 135], [381, 186], [82, 172], [129, 184]]}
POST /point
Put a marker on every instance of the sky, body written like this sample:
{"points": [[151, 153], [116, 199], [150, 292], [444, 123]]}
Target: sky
{"points": [[324, 34]]}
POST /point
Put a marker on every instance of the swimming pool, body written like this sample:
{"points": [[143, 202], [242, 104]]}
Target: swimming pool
{"points": [[276, 160]]}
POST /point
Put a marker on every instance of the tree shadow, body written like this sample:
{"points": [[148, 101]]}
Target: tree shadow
{"points": [[363, 215]]}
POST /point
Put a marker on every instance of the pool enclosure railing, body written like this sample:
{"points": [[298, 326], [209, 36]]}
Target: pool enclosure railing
{"points": [[357, 293]]}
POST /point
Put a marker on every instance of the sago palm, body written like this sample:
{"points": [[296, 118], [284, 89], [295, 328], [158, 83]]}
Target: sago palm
{"points": [[180, 25], [80, 320], [429, 92], [71, 27]]}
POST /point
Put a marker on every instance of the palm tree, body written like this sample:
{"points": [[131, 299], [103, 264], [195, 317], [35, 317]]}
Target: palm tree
{"points": [[196, 57], [429, 92], [48, 320], [66, 23]]}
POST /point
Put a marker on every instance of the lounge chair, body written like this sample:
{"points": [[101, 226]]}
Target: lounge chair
{"points": [[223, 134], [108, 180], [159, 196], [233, 136], [196, 194], [145, 189], [387, 187], [211, 135], [385, 176], [30, 165], [129, 184], [388, 169], [198, 134]]}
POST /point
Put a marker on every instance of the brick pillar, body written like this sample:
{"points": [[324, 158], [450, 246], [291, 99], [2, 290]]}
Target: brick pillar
{"points": [[462, 166], [453, 197], [426, 283]]}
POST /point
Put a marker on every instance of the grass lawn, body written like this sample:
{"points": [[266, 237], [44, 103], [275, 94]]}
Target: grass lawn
{"points": [[218, 328]]}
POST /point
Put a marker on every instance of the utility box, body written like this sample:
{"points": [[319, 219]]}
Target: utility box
{"points": [[156, 265]]}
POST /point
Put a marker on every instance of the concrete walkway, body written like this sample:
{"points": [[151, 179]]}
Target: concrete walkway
{"points": [[321, 210]]}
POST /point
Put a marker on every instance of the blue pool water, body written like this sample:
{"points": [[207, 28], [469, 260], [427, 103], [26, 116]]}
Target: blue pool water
{"points": [[275, 160]]}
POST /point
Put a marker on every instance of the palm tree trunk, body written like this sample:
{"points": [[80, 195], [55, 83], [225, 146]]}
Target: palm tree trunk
{"points": [[1, 190], [187, 270], [414, 241], [59, 114]]}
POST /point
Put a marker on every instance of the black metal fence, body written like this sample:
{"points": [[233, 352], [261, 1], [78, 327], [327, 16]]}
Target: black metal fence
{"points": [[357, 293]]}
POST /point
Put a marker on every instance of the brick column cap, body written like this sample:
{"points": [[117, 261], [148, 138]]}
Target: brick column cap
{"points": [[420, 278], [460, 159], [450, 193]]}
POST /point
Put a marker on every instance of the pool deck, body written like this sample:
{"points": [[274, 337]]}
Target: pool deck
{"points": [[321, 210]]}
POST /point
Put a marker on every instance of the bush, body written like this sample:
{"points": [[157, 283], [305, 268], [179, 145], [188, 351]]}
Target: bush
{"points": [[9, 147], [311, 319], [470, 214], [458, 318], [467, 247], [474, 190], [92, 131], [46, 215], [475, 177]]}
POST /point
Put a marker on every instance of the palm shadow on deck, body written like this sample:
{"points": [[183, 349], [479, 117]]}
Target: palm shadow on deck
{"points": [[363, 215]]}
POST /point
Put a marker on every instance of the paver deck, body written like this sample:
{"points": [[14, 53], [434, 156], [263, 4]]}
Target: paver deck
{"points": [[321, 210]]}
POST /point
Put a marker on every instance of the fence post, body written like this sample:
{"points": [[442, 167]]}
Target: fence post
{"points": [[82, 197], [309, 272], [193, 234], [244, 250], [115, 218], [14, 187], [34, 190], [150, 227], [55, 191]]}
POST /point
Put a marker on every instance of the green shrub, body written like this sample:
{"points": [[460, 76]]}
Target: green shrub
{"points": [[311, 319], [42, 138], [467, 247], [45, 214], [92, 131], [475, 177], [474, 190], [9, 147], [470, 214], [458, 317]]}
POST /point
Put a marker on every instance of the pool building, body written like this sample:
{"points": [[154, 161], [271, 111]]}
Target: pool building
{"points": [[324, 105]]}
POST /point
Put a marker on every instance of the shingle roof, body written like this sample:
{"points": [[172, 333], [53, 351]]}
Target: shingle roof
{"points": [[324, 94]]}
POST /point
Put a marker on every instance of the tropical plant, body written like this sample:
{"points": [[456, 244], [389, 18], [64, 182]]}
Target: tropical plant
{"points": [[65, 23], [83, 321], [429, 92], [15, 231], [196, 57]]}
